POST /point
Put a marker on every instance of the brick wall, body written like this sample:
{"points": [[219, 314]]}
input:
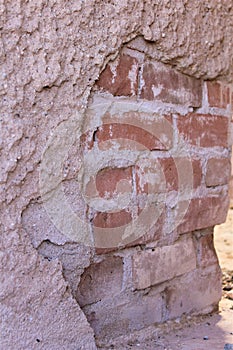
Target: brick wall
{"points": [[148, 180], [154, 198]]}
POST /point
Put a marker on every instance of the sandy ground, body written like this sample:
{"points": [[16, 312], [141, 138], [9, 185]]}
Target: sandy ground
{"points": [[212, 332]]}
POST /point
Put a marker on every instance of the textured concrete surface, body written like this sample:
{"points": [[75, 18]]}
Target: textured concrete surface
{"points": [[51, 55]]}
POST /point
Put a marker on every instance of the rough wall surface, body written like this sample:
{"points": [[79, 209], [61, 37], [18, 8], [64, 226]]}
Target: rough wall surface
{"points": [[231, 182], [51, 55], [178, 130]]}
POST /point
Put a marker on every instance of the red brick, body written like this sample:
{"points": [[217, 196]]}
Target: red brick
{"points": [[197, 173], [214, 93], [175, 167], [204, 242], [204, 130], [202, 213], [109, 229], [124, 132], [170, 172], [198, 291], [151, 267], [164, 83], [111, 220], [167, 171], [225, 96], [110, 181], [218, 172], [118, 80], [131, 130], [149, 177], [154, 234]]}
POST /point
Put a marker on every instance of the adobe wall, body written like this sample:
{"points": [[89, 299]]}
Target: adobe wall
{"points": [[115, 149]]}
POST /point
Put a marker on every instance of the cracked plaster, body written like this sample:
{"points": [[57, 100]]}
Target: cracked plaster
{"points": [[51, 55]]}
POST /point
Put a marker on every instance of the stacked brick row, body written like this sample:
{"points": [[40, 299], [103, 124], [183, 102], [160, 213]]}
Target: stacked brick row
{"points": [[171, 268]]}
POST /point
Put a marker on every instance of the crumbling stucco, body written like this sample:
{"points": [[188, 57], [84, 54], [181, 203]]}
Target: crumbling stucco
{"points": [[51, 54]]}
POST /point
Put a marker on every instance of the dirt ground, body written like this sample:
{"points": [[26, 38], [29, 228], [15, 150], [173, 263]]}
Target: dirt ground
{"points": [[211, 332]]}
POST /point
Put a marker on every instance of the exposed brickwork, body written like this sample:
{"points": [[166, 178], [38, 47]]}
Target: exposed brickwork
{"points": [[158, 82], [113, 180], [163, 83], [118, 314], [153, 136], [154, 183], [205, 285], [115, 307], [214, 94], [120, 79], [161, 264], [218, 172], [110, 220], [219, 94], [204, 212], [225, 96], [204, 130], [169, 170], [206, 254], [179, 164], [197, 129], [197, 172], [154, 235]]}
